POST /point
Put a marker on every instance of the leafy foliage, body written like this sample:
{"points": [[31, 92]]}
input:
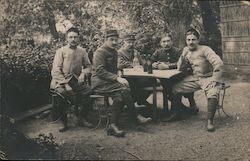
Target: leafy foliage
{"points": [[30, 34]]}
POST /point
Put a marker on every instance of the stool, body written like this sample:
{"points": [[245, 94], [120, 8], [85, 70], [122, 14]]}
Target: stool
{"points": [[101, 104], [221, 97]]}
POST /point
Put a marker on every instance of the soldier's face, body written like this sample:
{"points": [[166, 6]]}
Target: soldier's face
{"points": [[112, 42], [73, 39], [166, 42], [192, 42], [129, 44]]}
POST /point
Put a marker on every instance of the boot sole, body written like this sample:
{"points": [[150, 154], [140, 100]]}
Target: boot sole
{"points": [[114, 134]]}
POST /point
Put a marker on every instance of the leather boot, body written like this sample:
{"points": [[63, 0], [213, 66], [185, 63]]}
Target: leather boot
{"points": [[113, 130], [84, 123], [142, 120], [64, 125], [211, 109]]}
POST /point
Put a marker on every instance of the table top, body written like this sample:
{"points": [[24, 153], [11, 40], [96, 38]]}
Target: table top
{"points": [[156, 73]]}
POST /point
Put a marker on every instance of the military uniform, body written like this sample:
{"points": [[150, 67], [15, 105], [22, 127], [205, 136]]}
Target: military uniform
{"points": [[207, 68], [69, 63], [207, 73], [104, 82], [167, 56], [126, 57], [170, 57]]}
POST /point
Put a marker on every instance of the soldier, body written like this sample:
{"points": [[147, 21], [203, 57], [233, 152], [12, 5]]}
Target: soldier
{"points": [[207, 73], [67, 78], [106, 81], [128, 57], [166, 58]]}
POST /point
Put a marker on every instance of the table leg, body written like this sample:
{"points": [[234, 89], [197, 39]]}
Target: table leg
{"points": [[165, 102], [154, 101]]}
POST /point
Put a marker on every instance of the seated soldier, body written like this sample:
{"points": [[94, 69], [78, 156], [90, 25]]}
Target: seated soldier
{"points": [[128, 57], [67, 79], [106, 81], [207, 72], [166, 58]]}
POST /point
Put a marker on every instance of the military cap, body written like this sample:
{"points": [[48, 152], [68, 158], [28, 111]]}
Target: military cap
{"points": [[129, 37], [194, 32], [110, 33]]}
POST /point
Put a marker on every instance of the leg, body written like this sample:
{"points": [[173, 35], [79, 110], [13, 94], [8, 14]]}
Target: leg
{"points": [[183, 86], [193, 109], [212, 94], [132, 110], [63, 107], [116, 108], [138, 95], [85, 103]]}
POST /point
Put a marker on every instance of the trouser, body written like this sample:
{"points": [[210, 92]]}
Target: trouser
{"points": [[187, 86], [121, 98], [79, 97], [167, 85], [136, 84]]}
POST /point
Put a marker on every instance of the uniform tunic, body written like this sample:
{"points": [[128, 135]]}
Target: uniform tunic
{"points": [[68, 61], [105, 71], [207, 68], [167, 56], [126, 57]]}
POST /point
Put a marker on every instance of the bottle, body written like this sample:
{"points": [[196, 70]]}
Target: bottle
{"points": [[145, 65], [150, 67], [136, 60]]}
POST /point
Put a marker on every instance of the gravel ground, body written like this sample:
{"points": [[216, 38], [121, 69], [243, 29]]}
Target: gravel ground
{"points": [[186, 139]]}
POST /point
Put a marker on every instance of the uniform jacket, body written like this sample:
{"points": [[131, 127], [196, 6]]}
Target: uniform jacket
{"points": [[125, 58], [69, 61], [206, 64], [168, 56], [105, 71]]}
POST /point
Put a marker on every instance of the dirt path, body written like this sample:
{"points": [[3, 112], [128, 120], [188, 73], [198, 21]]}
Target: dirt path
{"points": [[181, 140]]}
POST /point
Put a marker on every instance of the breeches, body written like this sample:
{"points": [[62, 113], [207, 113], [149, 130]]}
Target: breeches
{"points": [[136, 84], [121, 98], [187, 86], [78, 96]]}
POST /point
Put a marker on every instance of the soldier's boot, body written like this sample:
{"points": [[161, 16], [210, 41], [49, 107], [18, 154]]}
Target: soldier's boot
{"points": [[82, 121], [113, 130], [143, 120], [64, 125], [211, 109]]}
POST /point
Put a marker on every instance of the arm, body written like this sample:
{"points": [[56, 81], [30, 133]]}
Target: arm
{"points": [[86, 63], [99, 65], [154, 56], [57, 69], [176, 57], [217, 64], [86, 68], [122, 62]]}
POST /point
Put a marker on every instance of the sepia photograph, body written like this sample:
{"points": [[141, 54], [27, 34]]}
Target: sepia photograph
{"points": [[125, 80]]}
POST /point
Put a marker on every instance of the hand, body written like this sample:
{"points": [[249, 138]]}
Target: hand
{"points": [[87, 76], [162, 66], [212, 84], [155, 65], [123, 81]]}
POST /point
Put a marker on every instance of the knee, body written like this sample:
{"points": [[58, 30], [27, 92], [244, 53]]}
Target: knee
{"points": [[213, 93]]}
